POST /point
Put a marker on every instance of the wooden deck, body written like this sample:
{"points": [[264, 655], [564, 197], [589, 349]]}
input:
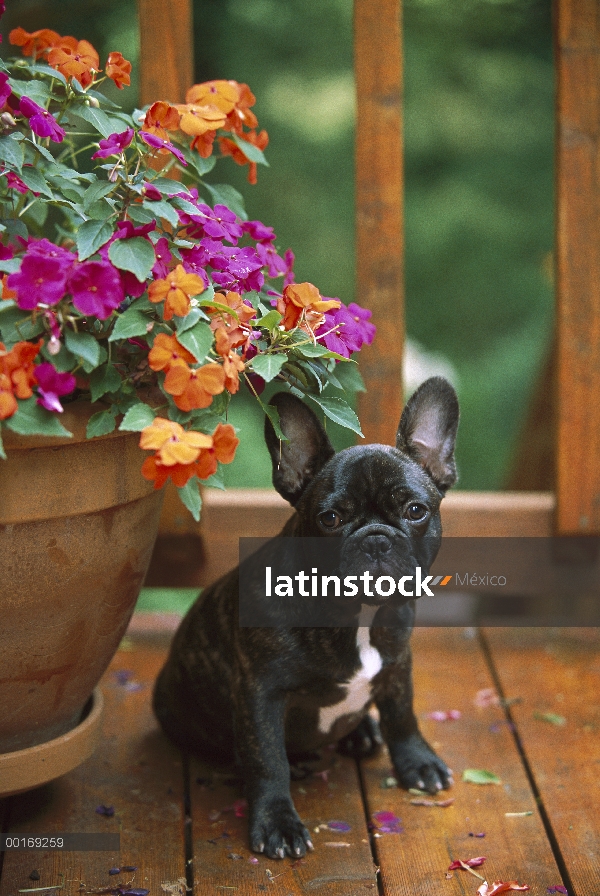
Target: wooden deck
{"points": [[178, 820]]}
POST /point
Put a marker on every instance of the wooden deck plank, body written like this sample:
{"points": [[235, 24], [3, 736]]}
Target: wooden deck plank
{"points": [[558, 671], [135, 770], [332, 793], [449, 669]]}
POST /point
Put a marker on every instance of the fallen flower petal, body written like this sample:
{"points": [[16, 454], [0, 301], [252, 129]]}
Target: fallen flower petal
{"points": [[500, 887], [337, 843], [480, 834], [551, 717], [472, 863], [441, 715], [341, 826], [558, 888], [107, 811], [486, 697]]}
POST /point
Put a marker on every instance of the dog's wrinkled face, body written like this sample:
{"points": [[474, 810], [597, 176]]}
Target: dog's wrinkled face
{"points": [[380, 504]]}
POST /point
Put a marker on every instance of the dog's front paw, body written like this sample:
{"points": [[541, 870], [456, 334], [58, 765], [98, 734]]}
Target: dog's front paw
{"points": [[276, 830], [416, 765]]}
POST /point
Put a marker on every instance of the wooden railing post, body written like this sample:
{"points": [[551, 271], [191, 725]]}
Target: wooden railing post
{"points": [[379, 234], [578, 266], [167, 50]]}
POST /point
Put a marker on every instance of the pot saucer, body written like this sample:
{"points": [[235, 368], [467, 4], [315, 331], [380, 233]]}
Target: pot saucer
{"points": [[23, 770]]}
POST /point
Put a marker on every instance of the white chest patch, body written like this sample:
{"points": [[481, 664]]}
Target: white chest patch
{"points": [[358, 689]]}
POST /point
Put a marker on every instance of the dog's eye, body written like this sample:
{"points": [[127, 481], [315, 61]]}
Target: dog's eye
{"points": [[416, 513], [329, 519]]}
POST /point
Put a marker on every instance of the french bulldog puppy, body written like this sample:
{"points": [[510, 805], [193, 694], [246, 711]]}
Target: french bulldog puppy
{"points": [[259, 695]]}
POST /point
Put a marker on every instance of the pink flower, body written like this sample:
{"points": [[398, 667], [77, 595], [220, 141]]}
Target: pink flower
{"points": [[5, 88], [40, 279], [351, 329], [158, 143], [162, 265], [96, 288], [114, 144], [52, 385], [40, 121], [151, 192]]}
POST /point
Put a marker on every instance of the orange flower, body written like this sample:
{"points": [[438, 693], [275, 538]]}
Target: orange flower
{"points": [[203, 144], [222, 451], [176, 290], [302, 306], [165, 350], [17, 375], [176, 452], [233, 323], [229, 148], [241, 115], [75, 59], [118, 70], [222, 94], [197, 120], [35, 43], [160, 118], [232, 363], [194, 388], [7, 292]]}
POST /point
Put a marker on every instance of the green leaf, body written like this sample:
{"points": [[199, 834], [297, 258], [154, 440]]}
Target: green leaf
{"points": [[186, 323], [11, 152], [273, 415], [10, 265], [140, 214], [2, 451], [217, 480], [251, 151], [349, 376], [131, 323], [32, 420], [38, 91], [229, 196], [198, 340], [85, 347], [36, 181], [96, 191], [338, 411], [480, 776], [201, 166], [105, 124], [187, 206], [190, 496], [104, 379], [135, 255], [162, 209], [101, 424], [268, 366], [137, 417], [168, 187], [551, 717], [91, 236], [16, 325], [270, 320]]}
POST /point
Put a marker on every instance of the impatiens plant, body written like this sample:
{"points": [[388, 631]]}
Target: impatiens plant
{"points": [[129, 280]]}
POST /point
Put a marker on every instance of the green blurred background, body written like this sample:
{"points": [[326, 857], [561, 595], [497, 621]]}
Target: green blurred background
{"points": [[479, 180]]}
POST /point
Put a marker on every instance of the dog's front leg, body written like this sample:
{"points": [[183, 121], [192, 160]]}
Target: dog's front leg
{"points": [[274, 825], [415, 762]]}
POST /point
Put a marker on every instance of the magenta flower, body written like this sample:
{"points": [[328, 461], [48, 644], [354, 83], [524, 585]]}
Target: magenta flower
{"points": [[52, 385], [96, 288], [151, 192], [220, 223], [162, 265], [114, 144], [46, 249], [158, 143], [258, 231], [346, 329], [40, 121], [5, 88], [14, 182], [40, 279]]}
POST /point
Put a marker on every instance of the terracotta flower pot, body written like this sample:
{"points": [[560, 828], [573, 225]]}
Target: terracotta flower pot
{"points": [[77, 527]]}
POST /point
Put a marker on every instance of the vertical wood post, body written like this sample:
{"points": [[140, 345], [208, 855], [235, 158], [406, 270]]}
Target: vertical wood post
{"points": [[166, 50], [379, 194], [578, 266]]}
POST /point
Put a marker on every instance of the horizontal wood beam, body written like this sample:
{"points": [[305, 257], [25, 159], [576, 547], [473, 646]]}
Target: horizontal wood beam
{"points": [[229, 515]]}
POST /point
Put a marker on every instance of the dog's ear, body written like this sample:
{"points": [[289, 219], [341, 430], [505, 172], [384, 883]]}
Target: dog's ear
{"points": [[297, 461], [427, 430]]}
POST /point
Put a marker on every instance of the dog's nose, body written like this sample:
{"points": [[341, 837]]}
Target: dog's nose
{"points": [[376, 546]]}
